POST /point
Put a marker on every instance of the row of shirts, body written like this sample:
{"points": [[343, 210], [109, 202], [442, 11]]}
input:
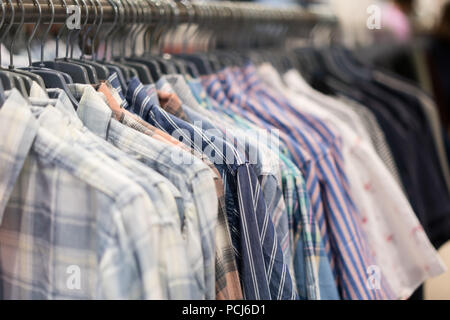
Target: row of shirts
{"points": [[245, 184]]}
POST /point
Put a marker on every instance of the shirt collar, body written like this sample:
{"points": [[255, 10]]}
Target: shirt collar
{"points": [[64, 105], [164, 85], [18, 128], [36, 91], [94, 112], [60, 101], [54, 120], [138, 99], [152, 94]]}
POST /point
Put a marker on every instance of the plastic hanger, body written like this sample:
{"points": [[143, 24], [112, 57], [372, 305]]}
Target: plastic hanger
{"points": [[52, 78], [101, 71], [70, 71], [92, 73]]}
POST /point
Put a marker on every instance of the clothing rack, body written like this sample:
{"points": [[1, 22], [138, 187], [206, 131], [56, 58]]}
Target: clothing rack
{"points": [[168, 12]]}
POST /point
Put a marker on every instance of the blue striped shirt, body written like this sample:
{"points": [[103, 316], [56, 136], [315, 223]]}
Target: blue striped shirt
{"points": [[316, 152], [264, 273]]}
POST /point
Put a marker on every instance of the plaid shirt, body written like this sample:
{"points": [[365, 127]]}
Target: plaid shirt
{"points": [[194, 181], [228, 285], [163, 194], [64, 212], [263, 271], [168, 100], [227, 277], [316, 152]]}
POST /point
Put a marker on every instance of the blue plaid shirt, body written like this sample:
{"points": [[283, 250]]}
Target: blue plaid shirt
{"points": [[65, 213], [195, 182]]}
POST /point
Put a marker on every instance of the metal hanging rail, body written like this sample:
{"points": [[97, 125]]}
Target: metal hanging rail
{"points": [[150, 11]]}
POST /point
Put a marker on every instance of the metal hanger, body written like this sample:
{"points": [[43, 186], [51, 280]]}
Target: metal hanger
{"points": [[6, 77], [101, 71], [146, 59], [178, 64], [143, 71], [92, 73], [116, 33], [38, 69], [164, 59], [150, 33], [121, 71], [70, 71], [167, 63], [183, 66], [23, 79], [156, 65], [201, 59], [51, 78], [2, 91]]}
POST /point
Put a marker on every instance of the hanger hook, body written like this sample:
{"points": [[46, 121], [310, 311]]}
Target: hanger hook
{"points": [[1, 25], [138, 27], [111, 29], [3, 14], [70, 34], [97, 30], [33, 32], [60, 32], [172, 23], [13, 41], [47, 31], [129, 8], [191, 14], [121, 15], [133, 10], [86, 33], [8, 27], [81, 28], [148, 35], [141, 24]]}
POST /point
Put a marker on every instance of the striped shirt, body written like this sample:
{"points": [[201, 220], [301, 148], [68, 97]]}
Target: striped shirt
{"points": [[312, 268], [316, 152], [264, 163], [264, 273], [228, 286]]}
